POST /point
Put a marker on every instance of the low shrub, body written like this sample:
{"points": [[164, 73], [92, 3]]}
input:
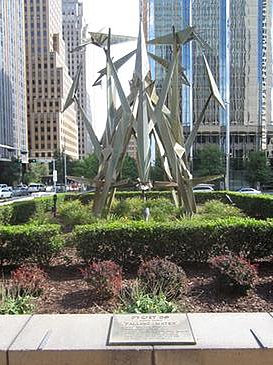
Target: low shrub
{"points": [[161, 209], [233, 273], [86, 198], [30, 243], [161, 275], [74, 213], [135, 300], [128, 208], [28, 280], [41, 216], [217, 209], [104, 278]]}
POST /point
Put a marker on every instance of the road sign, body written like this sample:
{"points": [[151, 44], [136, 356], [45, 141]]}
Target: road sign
{"points": [[55, 176]]}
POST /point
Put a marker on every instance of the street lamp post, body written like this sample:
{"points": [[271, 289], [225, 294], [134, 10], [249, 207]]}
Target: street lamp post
{"points": [[65, 179], [54, 174]]}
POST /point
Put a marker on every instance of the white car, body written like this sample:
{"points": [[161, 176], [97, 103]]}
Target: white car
{"points": [[249, 191], [5, 193], [203, 188], [36, 187]]}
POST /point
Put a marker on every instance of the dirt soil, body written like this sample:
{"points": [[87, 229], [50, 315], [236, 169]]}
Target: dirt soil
{"points": [[67, 292]]}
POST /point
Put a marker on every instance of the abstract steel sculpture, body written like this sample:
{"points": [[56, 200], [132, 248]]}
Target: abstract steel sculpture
{"points": [[143, 113]]}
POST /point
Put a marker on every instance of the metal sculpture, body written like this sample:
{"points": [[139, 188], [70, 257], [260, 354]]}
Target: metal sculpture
{"points": [[142, 114]]}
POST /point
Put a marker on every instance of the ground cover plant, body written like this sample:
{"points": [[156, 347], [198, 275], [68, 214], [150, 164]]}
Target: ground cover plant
{"points": [[125, 264]]}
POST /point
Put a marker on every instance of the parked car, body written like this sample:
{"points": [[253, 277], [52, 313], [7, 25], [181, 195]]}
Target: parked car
{"points": [[204, 188], [20, 191], [5, 193], [3, 186], [249, 191], [60, 188], [36, 187]]}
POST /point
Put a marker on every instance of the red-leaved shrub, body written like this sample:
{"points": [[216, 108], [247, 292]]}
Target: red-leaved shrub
{"points": [[28, 279], [161, 275], [233, 273], [104, 278]]}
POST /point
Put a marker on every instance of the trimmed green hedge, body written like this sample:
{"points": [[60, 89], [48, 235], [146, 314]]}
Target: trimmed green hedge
{"points": [[190, 240], [29, 242], [256, 206]]}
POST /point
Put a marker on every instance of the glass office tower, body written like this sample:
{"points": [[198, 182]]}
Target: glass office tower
{"points": [[159, 18], [239, 52], [13, 117]]}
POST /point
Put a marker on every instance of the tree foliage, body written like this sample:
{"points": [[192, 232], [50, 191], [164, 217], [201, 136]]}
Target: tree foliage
{"points": [[129, 168], [157, 170], [10, 172], [87, 167], [35, 173], [258, 169], [209, 161]]}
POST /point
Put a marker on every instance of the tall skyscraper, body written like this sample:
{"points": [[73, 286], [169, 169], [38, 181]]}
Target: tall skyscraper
{"points": [[239, 52], [239, 34], [158, 18], [13, 115], [74, 31], [48, 82]]}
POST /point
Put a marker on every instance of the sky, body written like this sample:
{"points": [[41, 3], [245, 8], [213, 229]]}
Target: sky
{"points": [[122, 16]]}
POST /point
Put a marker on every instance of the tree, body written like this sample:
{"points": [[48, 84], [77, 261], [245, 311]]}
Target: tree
{"points": [[209, 161], [10, 171], [87, 167], [258, 169], [157, 171], [129, 168], [35, 173]]}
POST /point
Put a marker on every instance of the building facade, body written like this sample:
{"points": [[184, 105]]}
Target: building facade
{"points": [[48, 82], [74, 31], [13, 114], [239, 52]]}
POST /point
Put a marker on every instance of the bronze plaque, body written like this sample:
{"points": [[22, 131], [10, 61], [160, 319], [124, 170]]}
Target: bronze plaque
{"points": [[150, 329]]}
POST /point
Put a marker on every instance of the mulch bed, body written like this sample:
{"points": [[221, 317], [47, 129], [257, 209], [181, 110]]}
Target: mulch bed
{"points": [[67, 292]]}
